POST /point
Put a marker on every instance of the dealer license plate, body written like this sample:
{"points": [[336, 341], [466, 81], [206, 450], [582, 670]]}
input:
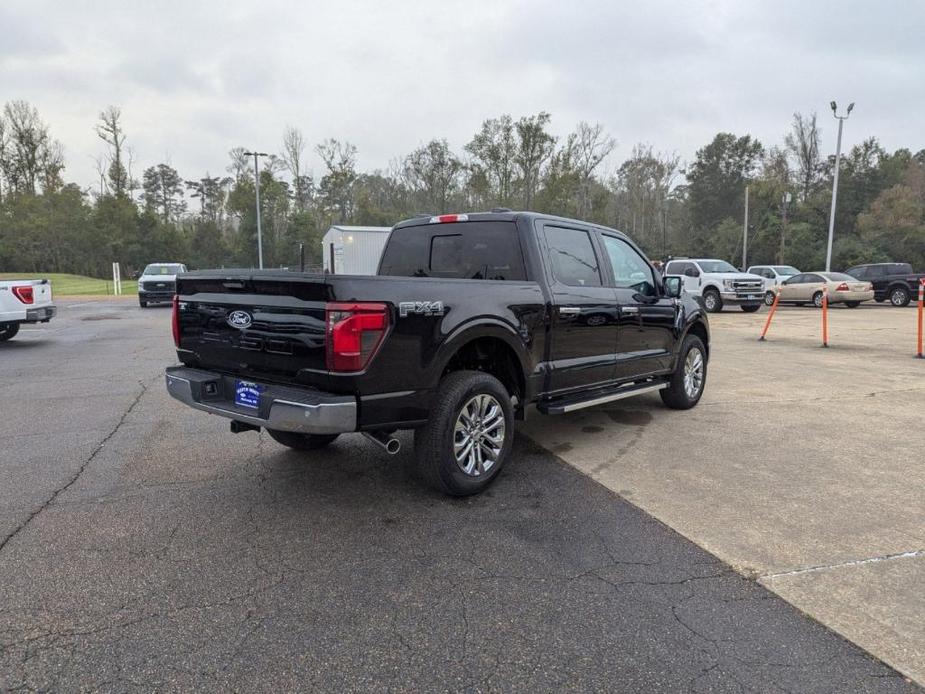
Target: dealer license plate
{"points": [[247, 394]]}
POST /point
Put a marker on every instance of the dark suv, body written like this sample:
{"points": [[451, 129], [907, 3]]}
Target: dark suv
{"points": [[894, 281]]}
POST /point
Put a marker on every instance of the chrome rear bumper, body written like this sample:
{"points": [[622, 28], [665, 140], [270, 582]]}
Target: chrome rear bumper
{"points": [[281, 407]]}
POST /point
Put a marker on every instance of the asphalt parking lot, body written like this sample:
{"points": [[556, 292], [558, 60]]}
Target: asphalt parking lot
{"points": [[144, 547]]}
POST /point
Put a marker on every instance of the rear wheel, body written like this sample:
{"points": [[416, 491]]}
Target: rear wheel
{"points": [[852, 304], [8, 331], [712, 301], [301, 442], [899, 296], [689, 377], [469, 435], [751, 308]]}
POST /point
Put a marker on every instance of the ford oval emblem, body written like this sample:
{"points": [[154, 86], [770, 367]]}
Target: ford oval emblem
{"points": [[239, 319]]}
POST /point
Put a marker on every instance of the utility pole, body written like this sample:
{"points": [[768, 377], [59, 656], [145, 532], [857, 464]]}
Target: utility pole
{"points": [[841, 122], [255, 155], [745, 234], [783, 232]]}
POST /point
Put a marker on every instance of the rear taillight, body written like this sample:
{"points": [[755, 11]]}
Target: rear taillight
{"points": [[175, 320], [843, 287], [449, 218], [354, 333], [24, 294]]}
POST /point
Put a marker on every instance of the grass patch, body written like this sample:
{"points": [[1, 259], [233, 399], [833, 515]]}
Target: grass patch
{"points": [[73, 285]]}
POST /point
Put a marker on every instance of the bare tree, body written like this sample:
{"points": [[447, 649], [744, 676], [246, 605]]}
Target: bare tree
{"points": [[432, 171], [534, 146], [240, 164], [803, 143], [109, 130], [293, 151], [591, 145]]}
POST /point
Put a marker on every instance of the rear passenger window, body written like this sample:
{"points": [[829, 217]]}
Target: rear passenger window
{"points": [[572, 256]]}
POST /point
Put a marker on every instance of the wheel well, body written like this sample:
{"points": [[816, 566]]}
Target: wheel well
{"points": [[491, 355], [898, 285], [700, 331]]}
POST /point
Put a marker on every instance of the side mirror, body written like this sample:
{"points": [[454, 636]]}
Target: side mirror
{"points": [[673, 287]]}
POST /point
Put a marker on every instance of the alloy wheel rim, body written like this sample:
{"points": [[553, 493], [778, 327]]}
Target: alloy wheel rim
{"points": [[478, 435], [897, 297], [710, 301], [693, 372]]}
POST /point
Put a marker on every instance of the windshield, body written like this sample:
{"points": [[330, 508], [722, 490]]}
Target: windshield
{"points": [[786, 270], [163, 269], [715, 266]]}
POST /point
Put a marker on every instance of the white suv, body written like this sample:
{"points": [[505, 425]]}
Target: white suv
{"points": [[718, 283], [773, 276]]}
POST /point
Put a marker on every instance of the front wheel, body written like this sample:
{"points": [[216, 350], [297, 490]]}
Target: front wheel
{"points": [[768, 298], [712, 301], [750, 308], [8, 331], [143, 303], [689, 377], [899, 296], [301, 442], [469, 435], [817, 299]]}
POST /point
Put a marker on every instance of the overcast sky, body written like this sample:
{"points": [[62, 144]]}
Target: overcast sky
{"points": [[194, 79]]}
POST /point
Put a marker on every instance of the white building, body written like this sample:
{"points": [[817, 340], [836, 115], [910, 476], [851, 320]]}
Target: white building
{"points": [[353, 250]]}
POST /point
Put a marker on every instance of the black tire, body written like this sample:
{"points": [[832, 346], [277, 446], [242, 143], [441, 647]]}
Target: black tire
{"points": [[143, 304], [434, 443], [676, 395], [852, 304], [817, 299], [750, 308], [8, 331], [899, 296], [712, 301], [301, 442], [768, 298], [879, 301]]}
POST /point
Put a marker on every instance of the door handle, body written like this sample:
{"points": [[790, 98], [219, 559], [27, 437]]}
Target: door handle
{"points": [[569, 310], [629, 310]]}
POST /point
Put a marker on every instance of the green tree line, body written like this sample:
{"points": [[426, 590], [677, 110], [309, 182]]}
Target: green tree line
{"points": [[50, 225]]}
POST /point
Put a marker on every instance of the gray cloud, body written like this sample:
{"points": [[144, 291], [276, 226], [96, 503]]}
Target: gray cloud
{"points": [[194, 80]]}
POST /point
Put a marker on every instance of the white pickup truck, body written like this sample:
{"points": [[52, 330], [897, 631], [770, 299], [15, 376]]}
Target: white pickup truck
{"points": [[24, 301], [718, 283]]}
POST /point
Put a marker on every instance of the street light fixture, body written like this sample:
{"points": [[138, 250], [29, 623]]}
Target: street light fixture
{"points": [[841, 122], [255, 155]]}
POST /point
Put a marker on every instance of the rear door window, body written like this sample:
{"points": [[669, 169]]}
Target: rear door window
{"points": [[458, 250], [572, 257]]}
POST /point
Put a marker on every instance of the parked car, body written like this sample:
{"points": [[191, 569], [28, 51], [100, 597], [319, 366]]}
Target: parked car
{"points": [[470, 320], [158, 283], [773, 276], [807, 288], [718, 283], [24, 301], [894, 281]]}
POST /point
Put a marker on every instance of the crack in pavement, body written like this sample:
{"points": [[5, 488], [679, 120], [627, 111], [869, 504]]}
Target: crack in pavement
{"points": [[853, 562], [60, 490]]}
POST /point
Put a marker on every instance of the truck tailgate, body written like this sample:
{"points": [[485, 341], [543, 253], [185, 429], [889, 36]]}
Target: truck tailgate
{"points": [[250, 325]]}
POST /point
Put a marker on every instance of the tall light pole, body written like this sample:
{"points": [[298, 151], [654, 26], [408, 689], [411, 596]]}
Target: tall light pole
{"points": [[841, 122], [255, 155], [745, 234]]}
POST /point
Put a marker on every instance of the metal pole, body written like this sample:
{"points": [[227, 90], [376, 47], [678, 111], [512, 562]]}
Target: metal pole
{"points": [[745, 234], [828, 250], [301, 257], [259, 231]]}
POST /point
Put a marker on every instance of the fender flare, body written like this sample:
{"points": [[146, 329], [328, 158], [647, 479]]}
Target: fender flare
{"points": [[463, 334]]}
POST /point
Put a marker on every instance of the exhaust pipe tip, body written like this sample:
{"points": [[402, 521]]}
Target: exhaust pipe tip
{"points": [[386, 442]]}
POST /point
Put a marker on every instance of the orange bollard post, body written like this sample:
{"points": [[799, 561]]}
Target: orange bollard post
{"points": [[767, 323], [920, 354], [825, 315]]}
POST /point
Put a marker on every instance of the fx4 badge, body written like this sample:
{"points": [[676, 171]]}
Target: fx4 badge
{"points": [[421, 308]]}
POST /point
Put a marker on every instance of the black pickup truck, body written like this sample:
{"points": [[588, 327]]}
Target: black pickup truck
{"points": [[895, 282], [470, 320]]}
